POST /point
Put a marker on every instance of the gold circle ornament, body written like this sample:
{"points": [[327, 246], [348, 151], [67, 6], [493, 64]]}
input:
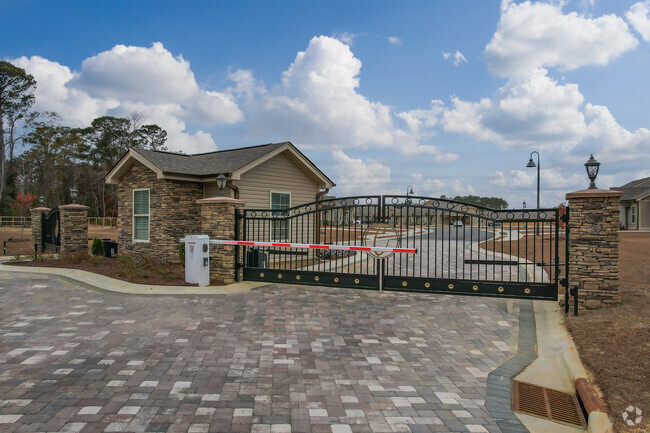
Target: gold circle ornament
{"points": [[500, 289], [279, 275], [527, 291], [297, 277], [316, 278], [475, 288], [336, 280], [451, 286], [261, 274], [404, 283], [427, 285], [356, 281]]}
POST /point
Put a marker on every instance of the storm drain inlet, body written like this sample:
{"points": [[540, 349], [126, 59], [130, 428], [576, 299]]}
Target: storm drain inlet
{"points": [[546, 403]]}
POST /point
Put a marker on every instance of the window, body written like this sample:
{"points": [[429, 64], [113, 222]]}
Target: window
{"points": [[141, 215], [633, 214], [280, 229]]}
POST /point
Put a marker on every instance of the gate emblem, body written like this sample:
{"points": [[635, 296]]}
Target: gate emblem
{"points": [[381, 235]]}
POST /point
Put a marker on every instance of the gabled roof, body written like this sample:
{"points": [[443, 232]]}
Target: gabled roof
{"points": [[635, 190], [204, 167]]}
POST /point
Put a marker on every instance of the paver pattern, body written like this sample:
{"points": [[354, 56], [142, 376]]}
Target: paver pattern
{"points": [[276, 359]]}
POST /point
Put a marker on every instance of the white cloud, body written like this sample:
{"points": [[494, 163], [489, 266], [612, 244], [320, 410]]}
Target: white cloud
{"points": [[52, 93], [535, 35], [394, 40], [639, 17], [345, 37], [118, 81], [431, 187], [457, 58], [527, 110], [356, 176], [534, 111], [317, 105]]}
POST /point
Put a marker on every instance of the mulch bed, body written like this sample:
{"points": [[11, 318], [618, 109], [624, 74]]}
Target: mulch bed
{"points": [[110, 268]]}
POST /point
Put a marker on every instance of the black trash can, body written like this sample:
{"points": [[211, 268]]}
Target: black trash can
{"points": [[256, 258], [110, 248]]}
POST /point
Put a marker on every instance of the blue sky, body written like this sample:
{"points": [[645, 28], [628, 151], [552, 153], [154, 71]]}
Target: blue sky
{"points": [[450, 97]]}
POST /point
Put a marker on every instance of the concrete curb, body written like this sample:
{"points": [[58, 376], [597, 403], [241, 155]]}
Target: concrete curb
{"points": [[103, 282], [558, 366]]}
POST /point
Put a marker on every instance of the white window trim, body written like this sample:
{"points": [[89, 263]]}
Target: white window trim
{"points": [[633, 213], [271, 207], [133, 215]]}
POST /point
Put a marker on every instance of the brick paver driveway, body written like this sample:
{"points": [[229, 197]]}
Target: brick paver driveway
{"points": [[277, 359]]}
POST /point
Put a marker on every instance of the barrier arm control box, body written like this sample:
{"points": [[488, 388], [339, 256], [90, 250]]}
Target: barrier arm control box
{"points": [[197, 259]]}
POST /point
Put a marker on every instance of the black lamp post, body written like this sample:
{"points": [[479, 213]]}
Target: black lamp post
{"points": [[74, 193], [221, 183], [524, 204], [409, 190], [592, 166], [531, 164]]}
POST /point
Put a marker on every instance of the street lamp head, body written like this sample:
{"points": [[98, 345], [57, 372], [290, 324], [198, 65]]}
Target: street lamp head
{"points": [[74, 193], [41, 201], [221, 183], [524, 204], [531, 163], [410, 191], [592, 166]]}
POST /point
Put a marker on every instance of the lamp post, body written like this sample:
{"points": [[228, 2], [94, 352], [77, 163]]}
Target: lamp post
{"points": [[74, 193], [524, 204], [409, 190], [41, 201], [592, 166], [531, 164], [221, 183]]}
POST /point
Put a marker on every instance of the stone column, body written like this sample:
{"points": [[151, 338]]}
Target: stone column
{"points": [[37, 224], [218, 222], [593, 246], [74, 228]]}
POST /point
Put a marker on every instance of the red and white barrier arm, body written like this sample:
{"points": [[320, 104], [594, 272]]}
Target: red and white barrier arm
{"points": [[314, 246]]}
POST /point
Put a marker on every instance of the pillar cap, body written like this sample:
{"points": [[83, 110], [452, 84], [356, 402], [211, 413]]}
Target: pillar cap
{"points": [[40, 209], [594, 193], [217, 200], [74, 207]]}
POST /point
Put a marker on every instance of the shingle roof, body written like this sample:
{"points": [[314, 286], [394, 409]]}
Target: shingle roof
{"points": [[207, 164], [635, 189]]}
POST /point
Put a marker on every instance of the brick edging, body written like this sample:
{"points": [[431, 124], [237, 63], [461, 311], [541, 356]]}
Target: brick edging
{"points": [[498, 398]]}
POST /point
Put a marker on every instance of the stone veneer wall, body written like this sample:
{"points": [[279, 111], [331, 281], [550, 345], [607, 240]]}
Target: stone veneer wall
{"points": [[594, 246], [74, 229], [37, 225], [218, 222], [173, 212]]}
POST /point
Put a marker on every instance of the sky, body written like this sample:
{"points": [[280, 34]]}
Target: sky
{"points": [[448, 97]]}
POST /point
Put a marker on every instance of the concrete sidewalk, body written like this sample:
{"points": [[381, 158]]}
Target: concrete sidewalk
{"points": [[103, 282]]}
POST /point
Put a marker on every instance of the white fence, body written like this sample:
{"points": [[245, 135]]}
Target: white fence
{"points": [[19, 221]]}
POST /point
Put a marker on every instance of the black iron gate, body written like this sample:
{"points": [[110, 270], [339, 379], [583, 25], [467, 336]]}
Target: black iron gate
{"points": [[461, 248], [51, 230]]}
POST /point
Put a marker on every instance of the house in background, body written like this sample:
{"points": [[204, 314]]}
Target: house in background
{"points": [[157, 191], [635, 204]]}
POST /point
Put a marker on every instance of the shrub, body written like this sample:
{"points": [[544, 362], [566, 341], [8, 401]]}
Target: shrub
{"points": [[78, 257], [181, 253], [97, 249]]}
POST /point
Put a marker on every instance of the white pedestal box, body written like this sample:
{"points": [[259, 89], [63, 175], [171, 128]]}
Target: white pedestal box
{"points": [[197, 259]]}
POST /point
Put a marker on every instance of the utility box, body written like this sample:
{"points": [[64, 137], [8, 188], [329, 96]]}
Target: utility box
{"points": [[197, 259]]}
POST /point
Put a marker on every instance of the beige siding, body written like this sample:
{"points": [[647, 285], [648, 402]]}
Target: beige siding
{"points": [[644, 214], [278, 174]]}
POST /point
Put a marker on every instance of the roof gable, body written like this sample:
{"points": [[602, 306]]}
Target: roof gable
{"points": [[206, 166]]}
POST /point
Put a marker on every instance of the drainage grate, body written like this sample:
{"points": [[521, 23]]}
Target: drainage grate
{"points": [[546, 403]]}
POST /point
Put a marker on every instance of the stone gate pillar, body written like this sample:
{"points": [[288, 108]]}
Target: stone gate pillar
{"points": [[593, 246], [74, 228], [218, 222], [37, 224]]}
